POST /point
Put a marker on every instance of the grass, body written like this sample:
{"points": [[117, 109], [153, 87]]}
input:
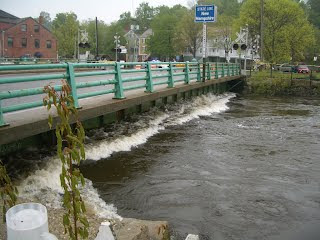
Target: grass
{"points": [[261, 83], [285, 75]]}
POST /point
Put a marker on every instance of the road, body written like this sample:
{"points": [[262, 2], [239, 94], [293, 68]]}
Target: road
{"points": [[37, 84]]}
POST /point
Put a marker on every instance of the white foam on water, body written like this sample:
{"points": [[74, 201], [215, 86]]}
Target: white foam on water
{"points": [[204, 105], [44, 184], [105, 148]]}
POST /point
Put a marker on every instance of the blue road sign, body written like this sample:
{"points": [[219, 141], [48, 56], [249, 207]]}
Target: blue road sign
{"points": [[205, 13]]}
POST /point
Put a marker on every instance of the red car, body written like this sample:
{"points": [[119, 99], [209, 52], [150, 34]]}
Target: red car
{"points": [[302, 69]]}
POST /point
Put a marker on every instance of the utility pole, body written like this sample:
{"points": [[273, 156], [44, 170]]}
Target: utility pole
{"points": [[261, 28], [97, 50], [78, 52], [245, 51]]}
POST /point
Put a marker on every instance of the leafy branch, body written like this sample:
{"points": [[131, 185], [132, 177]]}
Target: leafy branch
{"points": [[8, 192], [70, 150]]}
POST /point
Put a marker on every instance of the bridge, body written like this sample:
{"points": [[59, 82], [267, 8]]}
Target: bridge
{"points": [[103, 93]]}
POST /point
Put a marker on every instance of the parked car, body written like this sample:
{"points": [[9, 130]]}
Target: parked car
{"points": [[277, 67], [181, 65], [158, 64], [285, 67], [26, 59], [302, 69]]}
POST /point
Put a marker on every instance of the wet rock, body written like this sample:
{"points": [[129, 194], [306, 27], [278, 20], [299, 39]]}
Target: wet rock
{"points": [[192, 237], [134, 229]]}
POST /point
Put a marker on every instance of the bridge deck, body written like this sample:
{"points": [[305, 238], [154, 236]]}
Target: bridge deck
{"points": [[31, 122]]}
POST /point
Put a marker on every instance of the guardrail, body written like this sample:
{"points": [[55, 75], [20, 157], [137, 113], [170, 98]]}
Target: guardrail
{"points": [[29, 61], [151, 76]]}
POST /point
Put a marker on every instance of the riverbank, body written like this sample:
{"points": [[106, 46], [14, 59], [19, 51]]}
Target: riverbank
{"points": [[55, 222], [122, 228], [281, 84]]}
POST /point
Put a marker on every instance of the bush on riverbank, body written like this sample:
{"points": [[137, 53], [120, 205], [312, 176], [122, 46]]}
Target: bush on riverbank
{"points": [[281, 84]]}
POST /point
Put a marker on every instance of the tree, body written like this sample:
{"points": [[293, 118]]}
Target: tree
{"points": [[90, 27], [190, 33], [162, 42], [299, 41], [314, 15], [65, 28], [144, 16], [287, 33], [112, 30], [226, 7], [166, 42], [46, 19], [223, 33], [126, 20]]}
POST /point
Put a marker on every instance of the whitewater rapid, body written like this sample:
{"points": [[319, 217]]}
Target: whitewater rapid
{"points": [[44, 184]]}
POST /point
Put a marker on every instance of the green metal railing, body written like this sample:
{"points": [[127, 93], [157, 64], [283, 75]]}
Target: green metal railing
{"points": [[150, 76]]}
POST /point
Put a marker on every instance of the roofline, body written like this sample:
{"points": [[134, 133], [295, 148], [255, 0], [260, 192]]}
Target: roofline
{"points": [[24, 19], [10, 15]]}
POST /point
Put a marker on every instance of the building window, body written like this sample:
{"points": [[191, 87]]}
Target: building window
{"points": [[36, 43], [23, 42], [48, 43], [36, 28], [10, 42], [24, 27]]}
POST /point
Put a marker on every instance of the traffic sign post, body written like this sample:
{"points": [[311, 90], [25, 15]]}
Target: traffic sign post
{"points": [[204, 41], [204, 50], [204, 14]]}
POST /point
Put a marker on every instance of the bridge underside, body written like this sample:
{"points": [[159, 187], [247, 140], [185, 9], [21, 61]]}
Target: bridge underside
{"points": [[30, 127]]}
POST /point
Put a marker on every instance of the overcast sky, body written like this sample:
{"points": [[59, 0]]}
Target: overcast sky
{"points": [[107, 10]]}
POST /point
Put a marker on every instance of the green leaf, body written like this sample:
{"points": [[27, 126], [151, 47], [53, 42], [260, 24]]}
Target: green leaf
{"points": [[82, 180], [66, 221], [83, 208], [50, 121]]}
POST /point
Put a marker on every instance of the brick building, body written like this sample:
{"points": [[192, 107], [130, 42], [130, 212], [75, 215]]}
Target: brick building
{"points": [[25, 37]]}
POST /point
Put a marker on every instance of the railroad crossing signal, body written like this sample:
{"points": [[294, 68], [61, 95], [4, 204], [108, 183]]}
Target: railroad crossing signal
{"points": [[117, 42], [241, 40], [84, 42], [255, 43], [240, 37], [236, 46]]}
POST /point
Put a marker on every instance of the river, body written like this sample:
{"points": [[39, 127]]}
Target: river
{"points": [[226, 167]]}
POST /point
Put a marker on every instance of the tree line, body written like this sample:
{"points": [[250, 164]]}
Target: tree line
{"points": [[291, 28]]}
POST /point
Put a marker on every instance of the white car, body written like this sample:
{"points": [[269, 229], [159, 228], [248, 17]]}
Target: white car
{"points": [[158, 64]]}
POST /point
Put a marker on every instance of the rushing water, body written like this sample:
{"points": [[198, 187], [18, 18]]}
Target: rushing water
{"points": [[222, 167]]}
